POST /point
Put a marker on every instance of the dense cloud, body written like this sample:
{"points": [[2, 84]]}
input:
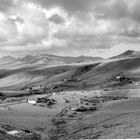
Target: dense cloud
{"points": [[57, 19], [112, 9], [6, 5], [63, 26], [71, 6]]}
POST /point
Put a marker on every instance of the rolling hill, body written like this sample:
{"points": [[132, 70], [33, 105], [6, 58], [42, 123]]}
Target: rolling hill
{"points": [[127, 54], [77, 75], [7, 59]]}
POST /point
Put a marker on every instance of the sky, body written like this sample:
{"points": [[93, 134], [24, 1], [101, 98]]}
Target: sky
{"points": [[69, 27]]}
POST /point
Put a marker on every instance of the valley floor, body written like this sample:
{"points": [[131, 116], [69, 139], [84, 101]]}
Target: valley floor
{"points": [[117, 117]]}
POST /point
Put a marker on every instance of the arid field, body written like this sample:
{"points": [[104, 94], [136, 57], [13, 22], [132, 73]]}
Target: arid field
{"points": [[86, 100]]}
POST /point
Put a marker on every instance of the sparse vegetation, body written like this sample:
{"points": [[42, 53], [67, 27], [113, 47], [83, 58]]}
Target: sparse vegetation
{"points": [[79, 101]]}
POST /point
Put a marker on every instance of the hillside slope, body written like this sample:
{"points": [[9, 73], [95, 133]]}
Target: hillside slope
{"points": [[127, 54], [76, 75]]}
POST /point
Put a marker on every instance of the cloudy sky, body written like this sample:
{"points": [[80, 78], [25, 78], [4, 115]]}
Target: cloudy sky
{"points": [[69, 27]]}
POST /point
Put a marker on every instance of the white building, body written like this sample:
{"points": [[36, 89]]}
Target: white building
{"points": [[31, 101]]}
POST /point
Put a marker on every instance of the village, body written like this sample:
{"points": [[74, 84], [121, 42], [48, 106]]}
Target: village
{"points": [[50, 91]]}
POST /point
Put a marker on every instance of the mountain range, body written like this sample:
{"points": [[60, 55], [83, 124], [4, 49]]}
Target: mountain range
{"points": [[54, 59], [49, 59]]}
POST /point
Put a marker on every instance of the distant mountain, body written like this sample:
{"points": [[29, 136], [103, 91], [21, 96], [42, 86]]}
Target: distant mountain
{"points": [[29, 59], [68, 59], [7, 59], [127, 54], [48, 59], [81, 59]]}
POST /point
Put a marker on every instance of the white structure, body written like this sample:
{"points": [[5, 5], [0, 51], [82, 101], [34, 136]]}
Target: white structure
{"points": [[65, 80], [32, 101], [13, 132], [118, 77]]}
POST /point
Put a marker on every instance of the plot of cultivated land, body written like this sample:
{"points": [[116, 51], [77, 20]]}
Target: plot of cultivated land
{"points": [[106, 122], [35, 117], [40, 118], [119, 119]]}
